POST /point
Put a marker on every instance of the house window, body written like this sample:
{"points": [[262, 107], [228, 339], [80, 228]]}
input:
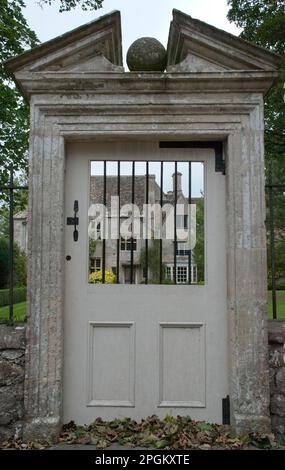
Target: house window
{"points": [[126, 244], [182, 249], [194, 274], [98, 232], [181, 274], [95, 264], [182, 221], [169, 272]]}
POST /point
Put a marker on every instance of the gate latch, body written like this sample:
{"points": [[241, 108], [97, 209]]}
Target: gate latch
{"points": [[74, 221]]}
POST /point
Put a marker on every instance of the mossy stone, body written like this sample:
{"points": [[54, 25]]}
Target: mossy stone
{"points": [[146, 55]]}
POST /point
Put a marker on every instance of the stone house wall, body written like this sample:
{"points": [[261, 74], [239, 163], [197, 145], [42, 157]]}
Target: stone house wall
{"points": [[12, 372], [12, 361], [276, 332]]}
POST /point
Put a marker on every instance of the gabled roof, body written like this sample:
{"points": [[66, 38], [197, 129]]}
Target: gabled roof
{"points": [[89, 59], [199, 47], [76, 49]]}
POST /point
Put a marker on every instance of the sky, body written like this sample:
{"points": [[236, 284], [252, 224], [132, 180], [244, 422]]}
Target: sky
{"points": [[197, 173], [139, 17]]}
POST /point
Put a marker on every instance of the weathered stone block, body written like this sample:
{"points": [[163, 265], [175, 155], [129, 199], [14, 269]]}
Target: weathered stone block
{"points": [[11, 403], [278, 404], [280, 380], [278, 424], [276, 331], [12, 431], [272, 380], [12, 337], [276, 356], [10, 373], [14, 355]]}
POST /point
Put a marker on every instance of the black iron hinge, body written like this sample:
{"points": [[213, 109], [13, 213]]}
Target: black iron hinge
{"points": [[220, 165], [226, 410]]}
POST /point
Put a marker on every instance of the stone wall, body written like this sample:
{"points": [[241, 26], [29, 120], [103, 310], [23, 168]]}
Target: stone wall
{"points": [[12, 363], [276, 332]]}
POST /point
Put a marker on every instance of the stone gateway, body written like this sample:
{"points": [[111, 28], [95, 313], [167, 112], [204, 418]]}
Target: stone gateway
{"points": [[119, 328]]}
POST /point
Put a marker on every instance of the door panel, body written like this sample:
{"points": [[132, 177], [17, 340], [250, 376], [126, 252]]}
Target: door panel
{"points": [[136, 350]]}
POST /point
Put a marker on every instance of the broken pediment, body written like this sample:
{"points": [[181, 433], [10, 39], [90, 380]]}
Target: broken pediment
{"points": [[94, 47], [195, 46]]}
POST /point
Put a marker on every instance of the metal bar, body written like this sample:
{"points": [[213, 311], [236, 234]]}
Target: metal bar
{"points": [[161, 224], [189, 223], [119, 235], [275, 185], [146, 239], [132, 240], [8, 188], [11, 245], [175, 222], [272, 243], [104, 227]]}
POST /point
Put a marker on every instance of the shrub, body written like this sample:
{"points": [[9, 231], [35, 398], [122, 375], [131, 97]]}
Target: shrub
{"points": [[97, 276], [280, 284], [19, 295], [4, 262], [20, 269]]}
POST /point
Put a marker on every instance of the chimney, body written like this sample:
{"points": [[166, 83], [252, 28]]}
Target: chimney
{"points": [[178, 182]]}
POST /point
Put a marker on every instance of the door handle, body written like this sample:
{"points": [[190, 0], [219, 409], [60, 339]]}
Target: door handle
{"points": [[74, 221]]}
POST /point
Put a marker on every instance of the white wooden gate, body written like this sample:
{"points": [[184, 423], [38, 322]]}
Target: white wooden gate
{"points": [[136, 350]]}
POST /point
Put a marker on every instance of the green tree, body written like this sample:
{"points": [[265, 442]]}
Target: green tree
{"points": [[153, 258], [263, 22], [67, 5], [20, 267], [15, 38]]}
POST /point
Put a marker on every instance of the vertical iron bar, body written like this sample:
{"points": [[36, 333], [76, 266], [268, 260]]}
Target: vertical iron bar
{"points": [[133, 202], [175, 222], [11, 244], [118, 234], [104, 227], [189, 224], [161, 223], [272, 242], [146, 239]]}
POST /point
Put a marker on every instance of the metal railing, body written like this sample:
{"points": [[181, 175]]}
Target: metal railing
{"points": [[271, 229], [270, 186], [10, 190]]}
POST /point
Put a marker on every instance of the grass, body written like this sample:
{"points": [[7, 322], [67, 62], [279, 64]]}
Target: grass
{"points": [[19, 313], [280, 296], [20, 309]]}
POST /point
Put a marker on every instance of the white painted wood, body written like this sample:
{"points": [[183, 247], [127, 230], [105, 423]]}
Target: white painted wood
{"points": [[172, 338], [182, 383]]}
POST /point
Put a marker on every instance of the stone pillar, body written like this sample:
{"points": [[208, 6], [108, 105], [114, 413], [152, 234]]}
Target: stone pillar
{"points": [[247, 280], [43, 382]]}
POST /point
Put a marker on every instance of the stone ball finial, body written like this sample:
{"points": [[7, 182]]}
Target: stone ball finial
{"points": [[146, 55]]}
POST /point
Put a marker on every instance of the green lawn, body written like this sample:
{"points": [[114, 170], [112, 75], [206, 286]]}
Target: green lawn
{"points": [[20, 309], [280, 295], [19, 313]]}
